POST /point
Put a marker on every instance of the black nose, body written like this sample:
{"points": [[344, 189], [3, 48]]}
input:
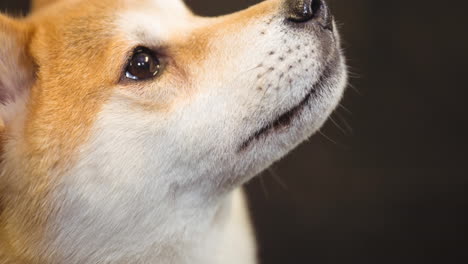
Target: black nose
{"points": [[301, 11]]}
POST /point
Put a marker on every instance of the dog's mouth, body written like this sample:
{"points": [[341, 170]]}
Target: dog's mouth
{"points": [[284, 120]]}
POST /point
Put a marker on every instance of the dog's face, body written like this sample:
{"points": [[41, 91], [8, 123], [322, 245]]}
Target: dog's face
{"points": [[140, 100]]}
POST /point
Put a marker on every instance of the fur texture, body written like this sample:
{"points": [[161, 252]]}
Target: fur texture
{"points": [[97, 168]]}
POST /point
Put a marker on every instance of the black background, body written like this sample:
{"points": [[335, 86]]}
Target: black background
{"points": [[386, 182]]}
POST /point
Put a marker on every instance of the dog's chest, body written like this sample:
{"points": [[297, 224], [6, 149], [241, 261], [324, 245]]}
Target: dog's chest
{"points": [[226, 239]]}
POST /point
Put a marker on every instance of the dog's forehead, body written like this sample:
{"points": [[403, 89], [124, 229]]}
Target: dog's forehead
{"points": [[166, 8], [84, 23], [141, 20], [163, 5], [69, 10], [152, 20]]}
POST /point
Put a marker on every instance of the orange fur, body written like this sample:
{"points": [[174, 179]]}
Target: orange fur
{"points": [[78, 58]]}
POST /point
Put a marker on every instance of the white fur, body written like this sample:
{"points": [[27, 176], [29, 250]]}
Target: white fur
{"points": [[15, 79], [163, 187], [157, 185], [13, 109]]}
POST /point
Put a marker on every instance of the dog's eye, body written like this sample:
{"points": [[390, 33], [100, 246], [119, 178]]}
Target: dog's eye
{"points": [[143, 65]]}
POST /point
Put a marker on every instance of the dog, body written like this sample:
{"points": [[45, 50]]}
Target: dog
{"points": [[130, 126]]}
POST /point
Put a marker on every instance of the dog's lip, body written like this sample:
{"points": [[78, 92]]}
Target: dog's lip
{"points": [[285, 119]]}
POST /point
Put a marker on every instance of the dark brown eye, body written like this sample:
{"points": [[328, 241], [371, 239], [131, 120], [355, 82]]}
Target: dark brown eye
{"points": [[143, 65]]}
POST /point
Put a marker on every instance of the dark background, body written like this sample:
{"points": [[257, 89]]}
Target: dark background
{"points": [[386, 181]]}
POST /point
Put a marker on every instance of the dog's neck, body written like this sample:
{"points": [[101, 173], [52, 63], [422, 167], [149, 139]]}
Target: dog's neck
{"points": [[208, 236], [106, 211]]}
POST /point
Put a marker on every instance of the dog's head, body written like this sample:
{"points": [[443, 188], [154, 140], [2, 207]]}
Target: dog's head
{"points": [[141, 102]]}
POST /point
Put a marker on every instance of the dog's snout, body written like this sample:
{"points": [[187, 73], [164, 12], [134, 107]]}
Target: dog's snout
{"points": [[301, 11]]}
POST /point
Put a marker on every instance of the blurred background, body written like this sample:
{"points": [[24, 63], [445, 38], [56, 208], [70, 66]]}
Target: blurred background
{"points": [[386, 180]]}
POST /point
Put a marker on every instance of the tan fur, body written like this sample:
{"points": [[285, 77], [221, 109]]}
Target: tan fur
{"points": [[62, 107], [75, 53], [58, 119]]}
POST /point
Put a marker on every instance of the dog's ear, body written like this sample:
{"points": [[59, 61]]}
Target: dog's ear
{"points": [[16, 68]]}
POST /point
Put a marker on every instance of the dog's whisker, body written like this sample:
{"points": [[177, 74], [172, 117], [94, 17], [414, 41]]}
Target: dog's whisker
{"points": [[353, 88], [265, 91], [345, 109], [264, 95], [244, 72], [263, 185], [277, 178], [346, 124], [352, 73], [328, 138], [338, 126]]}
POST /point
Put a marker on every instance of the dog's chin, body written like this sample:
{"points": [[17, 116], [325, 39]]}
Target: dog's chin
{"points": [[269, 143], [310, 112], [285, 121]]}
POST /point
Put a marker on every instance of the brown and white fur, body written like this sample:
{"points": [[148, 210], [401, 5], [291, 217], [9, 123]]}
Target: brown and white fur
{"points": [[97, 169]]}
